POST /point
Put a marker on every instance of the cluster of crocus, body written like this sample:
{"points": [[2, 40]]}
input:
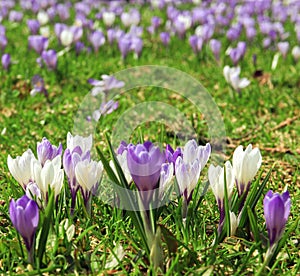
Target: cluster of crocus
{"points": [[96, 24], [245, 165], [83, 173], [151, 168]]}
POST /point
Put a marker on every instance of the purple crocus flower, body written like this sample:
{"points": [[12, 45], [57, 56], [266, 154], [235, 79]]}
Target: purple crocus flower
{"points": [[124, 45], [3, 42], [156, 22], [2, 30], [79, 47], [136, 45], [50, 59], [165, 38], [196, 43], [215, 46], [33, 26], [97, 39], [70, 160], [5, 60], [15, 16], [283, 48], [106, 84], [144, 163], [171, 155], [46, 151], [38, 43], [24, 215], [38, 86], [276, 212]]}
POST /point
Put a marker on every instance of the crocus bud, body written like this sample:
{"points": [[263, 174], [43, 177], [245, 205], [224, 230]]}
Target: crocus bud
{"points": [[5, 60], [283, 48], [24, 215], [108, 18], [245, 166], [50, 59], [33, 26], [165, 38], [276, 212]]}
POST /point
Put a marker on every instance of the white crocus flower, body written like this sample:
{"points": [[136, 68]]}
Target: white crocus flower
{"points": [[122, 159], [216, 180], [88, 174], [232, 76], [66, 37], [296, 52], [20, 167], [188, 168], [186, 20], [43, 17], [245, 165], [109, 18], [50, 174], [85, 143]]}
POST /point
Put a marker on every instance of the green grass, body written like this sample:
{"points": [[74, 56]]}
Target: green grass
{"points": [[257, 116]]}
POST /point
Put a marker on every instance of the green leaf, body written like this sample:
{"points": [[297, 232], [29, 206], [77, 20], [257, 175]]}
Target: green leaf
{"points": [[253, 197], [253, 224], [45, 227], [125, 195]]}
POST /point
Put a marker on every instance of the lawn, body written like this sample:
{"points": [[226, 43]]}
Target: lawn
{"points": [[168, 83]]}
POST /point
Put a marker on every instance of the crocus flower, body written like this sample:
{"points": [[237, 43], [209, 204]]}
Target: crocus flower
{"points": [[196, 43], [232, 76], [38, 43], [33, 192], [46, 151], [216, 180], [3, 42], [105, 85], [24, 215], [50, 174], [245, 166], [71, 158], [215, 46], [5, 60], [85, 143], [50, 59], [88, 174], [20, 167], [66, 37], [165, 38], [43, 17], [165, 179], [276, 211], [283, 48], [97, 39], [15, 16], [188, 168], [105, 109], [172, 155], [124, 45], [122, 159], [144, 163], [38, 86], [108, 18], [33, 26], [296, 53]]}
